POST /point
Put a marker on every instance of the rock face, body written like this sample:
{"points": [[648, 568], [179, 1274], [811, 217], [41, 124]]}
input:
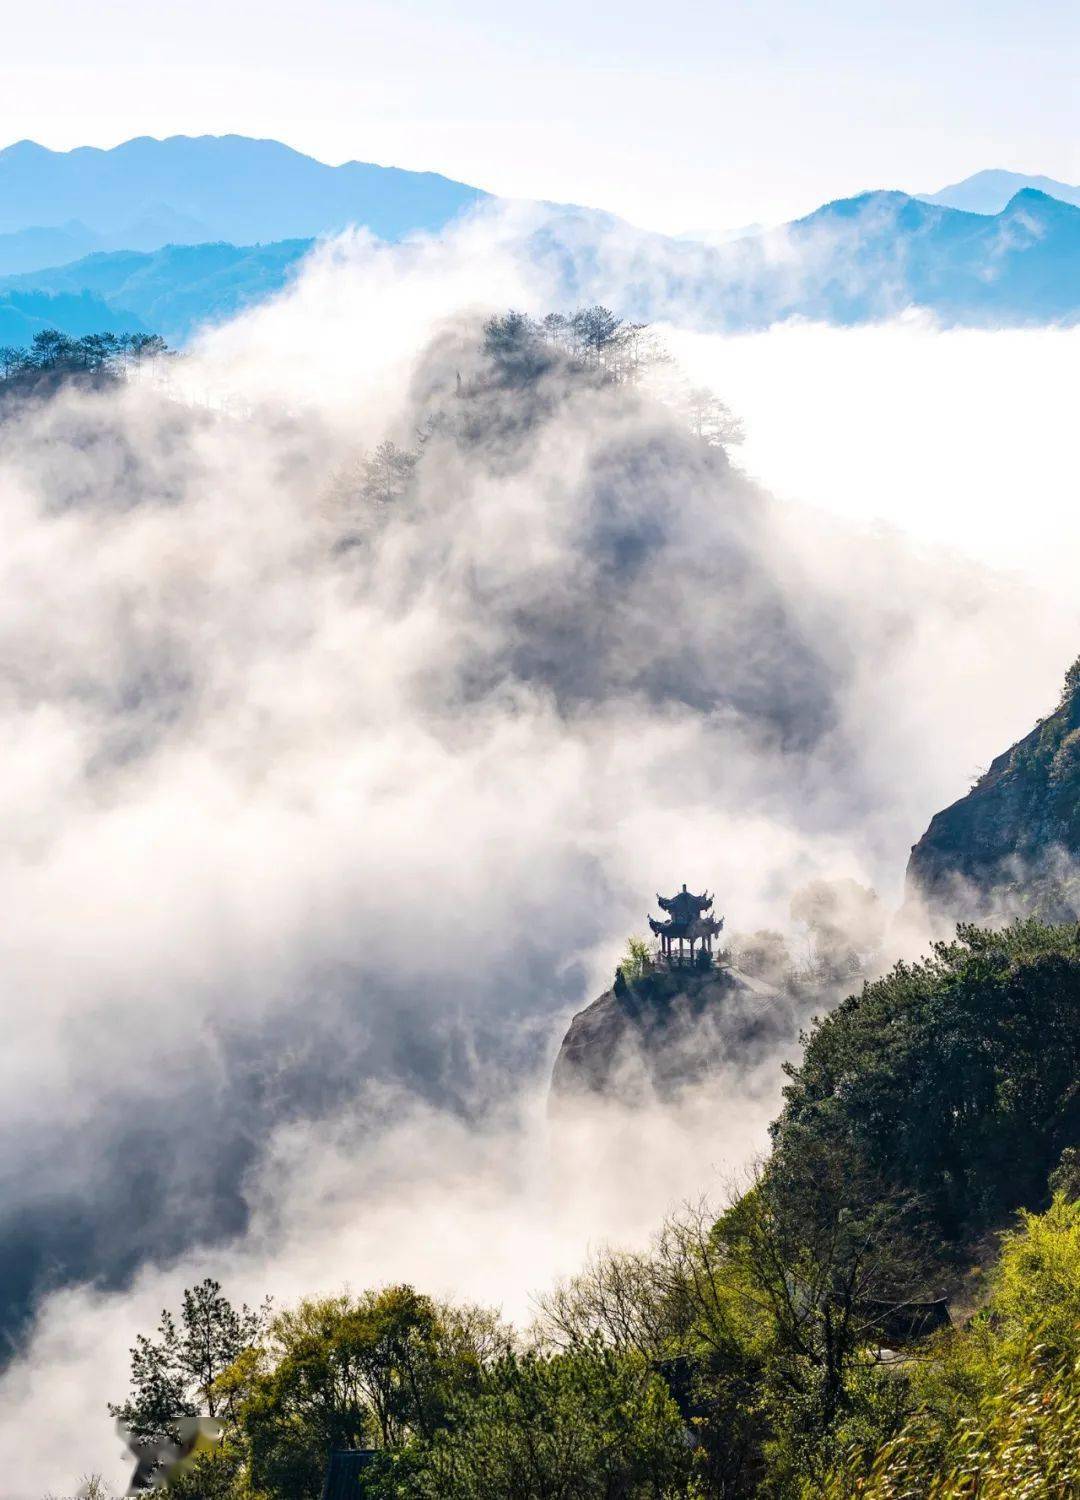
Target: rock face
{"points": [[1012, 845], [668, 1031]]}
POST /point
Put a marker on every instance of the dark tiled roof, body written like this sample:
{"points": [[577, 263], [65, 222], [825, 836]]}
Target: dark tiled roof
{"points": [[343, 1471]]}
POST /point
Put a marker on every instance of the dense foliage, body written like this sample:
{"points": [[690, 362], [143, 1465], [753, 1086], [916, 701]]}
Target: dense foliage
{"points": [[585, 1423], [954, 1079], [785, 1348], [1049, 761], [993, 1410], [178, 1372]]}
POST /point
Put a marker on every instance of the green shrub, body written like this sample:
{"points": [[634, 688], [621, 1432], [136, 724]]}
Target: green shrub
{"points": [[581, 1424], [996, 1405], [952, 1080], [636, 962]]}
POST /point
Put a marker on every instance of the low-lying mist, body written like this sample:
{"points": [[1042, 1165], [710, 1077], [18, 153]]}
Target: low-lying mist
{"points": [[957, 439], [323, 817]]}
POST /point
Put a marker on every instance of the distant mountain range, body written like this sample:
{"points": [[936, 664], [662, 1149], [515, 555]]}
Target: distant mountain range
{"points": [[857, 260], [24, 313], [989, 192], [172, 291], [187, 190], [875, 255], [189, 231]]}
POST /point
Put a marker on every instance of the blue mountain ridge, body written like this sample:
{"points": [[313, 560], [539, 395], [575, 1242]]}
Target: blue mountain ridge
{"points": [[988, 192], [147, 193], [173, 290], [25, 313], [882, 252], [854, 260]]}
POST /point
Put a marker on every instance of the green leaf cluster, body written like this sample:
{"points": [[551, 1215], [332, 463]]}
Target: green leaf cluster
{"points": [[774, 1350], [952, 1080], [994, 1409]]}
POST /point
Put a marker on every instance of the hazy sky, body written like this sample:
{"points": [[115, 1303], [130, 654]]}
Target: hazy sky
{"points": [[684, 116]]}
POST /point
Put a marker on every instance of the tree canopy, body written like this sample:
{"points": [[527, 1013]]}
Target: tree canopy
{"points": [[750, 1353], [953, 1079], [54, 359]]}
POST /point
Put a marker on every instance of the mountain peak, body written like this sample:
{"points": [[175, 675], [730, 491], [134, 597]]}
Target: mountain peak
{"points": [[237, 188], [25, 148], [1029, 198], [992, 190], [889, 204]]}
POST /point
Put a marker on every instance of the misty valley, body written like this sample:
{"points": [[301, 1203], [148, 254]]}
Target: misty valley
{"points": [[538, 965]]}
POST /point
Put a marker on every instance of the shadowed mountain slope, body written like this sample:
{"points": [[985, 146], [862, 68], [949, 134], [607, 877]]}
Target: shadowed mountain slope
{"points": [[670, 1030], [875, 256], [26, 313], [1011, 845], [175, 289]]}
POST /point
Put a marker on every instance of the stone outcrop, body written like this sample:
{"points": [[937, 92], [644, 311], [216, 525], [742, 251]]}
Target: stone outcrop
{"points": [[1011, 846], [668, 1031]]}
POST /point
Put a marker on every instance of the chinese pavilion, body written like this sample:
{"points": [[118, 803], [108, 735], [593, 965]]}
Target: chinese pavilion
{"points": [[687, 923]]}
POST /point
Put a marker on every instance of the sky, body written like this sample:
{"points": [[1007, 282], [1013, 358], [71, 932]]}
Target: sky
{"points": [[688, 117]]}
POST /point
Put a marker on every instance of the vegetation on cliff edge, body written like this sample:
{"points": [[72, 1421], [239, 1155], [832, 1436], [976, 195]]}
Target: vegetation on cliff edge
{"points": [[779, 1349]]}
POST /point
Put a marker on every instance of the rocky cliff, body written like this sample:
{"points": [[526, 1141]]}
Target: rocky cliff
{"points": [[1012, 845], [670, 1030]]}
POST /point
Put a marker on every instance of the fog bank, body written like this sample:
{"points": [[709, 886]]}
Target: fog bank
{"points": [[323, 820]]}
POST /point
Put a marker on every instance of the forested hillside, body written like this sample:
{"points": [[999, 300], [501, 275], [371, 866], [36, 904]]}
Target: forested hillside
{"points": [[25, 313], [794, 1344], [175, 289], [52, 361], [539, 751]]}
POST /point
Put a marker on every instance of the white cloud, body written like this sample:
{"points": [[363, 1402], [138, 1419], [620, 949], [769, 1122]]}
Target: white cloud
{"points": [[957, 438], [313, 851]]}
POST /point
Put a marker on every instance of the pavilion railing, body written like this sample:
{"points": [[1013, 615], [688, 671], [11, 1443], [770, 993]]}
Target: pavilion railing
{"points": [[677, 960]]}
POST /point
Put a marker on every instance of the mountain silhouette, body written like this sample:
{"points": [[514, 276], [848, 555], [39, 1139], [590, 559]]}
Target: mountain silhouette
{"points": [[876, 255], [856, 260], [189, 189], [25, 313], [237, 217], [988, 192], [174, 290]]}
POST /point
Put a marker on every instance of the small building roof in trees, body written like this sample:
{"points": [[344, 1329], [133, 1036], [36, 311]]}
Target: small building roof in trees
{"points": [[344, 1471]]}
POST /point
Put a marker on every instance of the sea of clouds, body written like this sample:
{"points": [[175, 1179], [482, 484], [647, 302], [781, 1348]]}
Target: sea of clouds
{"points": [[312, 849]]}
